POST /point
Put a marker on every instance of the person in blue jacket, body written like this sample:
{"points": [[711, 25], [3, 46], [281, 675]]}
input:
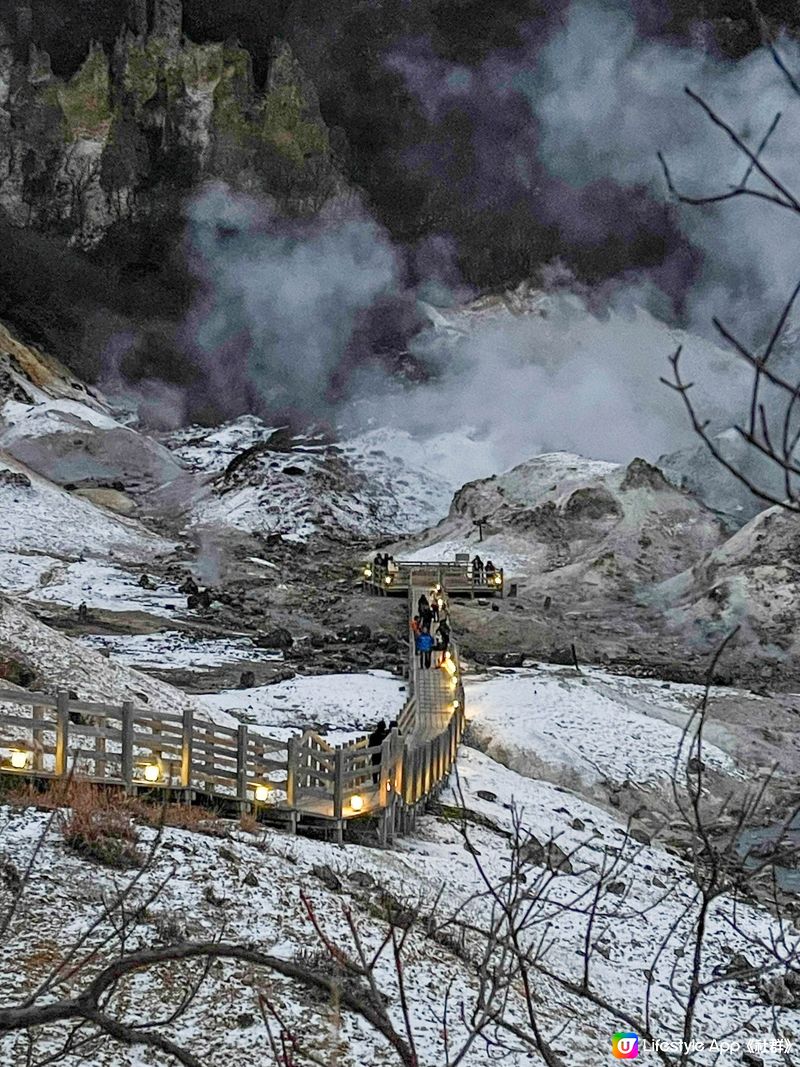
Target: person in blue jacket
{"points": [[424, 644]]}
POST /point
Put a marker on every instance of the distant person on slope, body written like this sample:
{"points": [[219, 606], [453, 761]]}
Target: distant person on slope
{"points": [[424, 648], [477, 569]]}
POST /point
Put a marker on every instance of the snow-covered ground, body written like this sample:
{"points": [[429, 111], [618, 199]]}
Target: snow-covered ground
{"points": [[578, 731], [50, 416], [336, 705], [39, 517], [108, 588], [61, 663], [177, 650]]}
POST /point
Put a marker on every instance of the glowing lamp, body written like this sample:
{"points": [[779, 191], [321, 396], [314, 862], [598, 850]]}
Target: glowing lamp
{"points": [[449, 666], [19, 759], [357, 802], [368, 572], [388, 579], [454, 683], [498, 579], [262, 793], [152, 772], [456, 704]]}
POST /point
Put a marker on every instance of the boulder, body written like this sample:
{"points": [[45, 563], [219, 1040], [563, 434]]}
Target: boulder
{"points": [[277, 638], [328, 877], [355, 635], [14, 480]]}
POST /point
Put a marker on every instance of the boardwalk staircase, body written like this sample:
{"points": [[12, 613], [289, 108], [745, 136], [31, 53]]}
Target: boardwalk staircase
{"points": [[303, 783]]}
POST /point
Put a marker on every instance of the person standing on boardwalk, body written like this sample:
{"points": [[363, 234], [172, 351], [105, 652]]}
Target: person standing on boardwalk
{"points": [[424, 648], [443, 638], [426, 617], [376, 738]]}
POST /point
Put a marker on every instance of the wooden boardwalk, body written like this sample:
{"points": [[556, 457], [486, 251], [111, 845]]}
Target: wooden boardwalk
{"points": [[304, 782]]}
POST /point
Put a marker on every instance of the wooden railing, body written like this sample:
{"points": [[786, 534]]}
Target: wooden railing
{"points": [[453, 577], [188, 758], [129, 747]]}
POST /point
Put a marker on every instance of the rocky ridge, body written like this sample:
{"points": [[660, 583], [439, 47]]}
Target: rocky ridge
{"points": [[135, 128]]}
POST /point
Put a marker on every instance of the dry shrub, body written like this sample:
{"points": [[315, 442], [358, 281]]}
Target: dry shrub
{"points": [[249, 823], [96, 827], [182, 816]]}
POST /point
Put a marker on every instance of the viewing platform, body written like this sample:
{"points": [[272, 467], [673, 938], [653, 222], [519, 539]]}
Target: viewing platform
{"points": [[458, 577]]}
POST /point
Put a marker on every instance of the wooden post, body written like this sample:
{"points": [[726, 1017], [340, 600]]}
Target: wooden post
{"points": [[62, 731], [186, 752], [291, 771], [38, 713], [383, 779], [208, 760], [100, 748], [127, 745], [338, 783], [241, 766]]}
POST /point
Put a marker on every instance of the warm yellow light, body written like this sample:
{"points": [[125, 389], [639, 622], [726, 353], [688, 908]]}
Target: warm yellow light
{"points": [[449, 666], [357, 802], [19, 759], [498, 579], [388, 579], [368, 572], [454, 683], [262, 792], [152, 772], [456, 704]]}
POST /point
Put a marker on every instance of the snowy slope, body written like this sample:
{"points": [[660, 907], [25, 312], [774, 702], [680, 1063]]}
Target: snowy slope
{"points": [[752, 581], [580, 731], [254, 888], [38, 517], [61, 663], [572, 521], [376, 483]]}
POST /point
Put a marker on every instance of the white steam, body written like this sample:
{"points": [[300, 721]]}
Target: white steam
{"points": [[606, 101], [279, 302]]}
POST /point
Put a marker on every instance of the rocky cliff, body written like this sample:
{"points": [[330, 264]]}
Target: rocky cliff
{"points": [[139, 123]]}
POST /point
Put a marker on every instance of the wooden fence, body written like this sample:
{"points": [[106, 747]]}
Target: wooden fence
{"points": [[187, 758], [135, 748]]}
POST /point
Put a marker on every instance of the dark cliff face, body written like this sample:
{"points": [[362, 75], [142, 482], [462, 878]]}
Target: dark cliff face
{"points": [[127, 133]]}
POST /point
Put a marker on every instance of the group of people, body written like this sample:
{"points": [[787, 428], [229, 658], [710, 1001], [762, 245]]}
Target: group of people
{"points": [[384, 562], [483, 572], [431, 609]]}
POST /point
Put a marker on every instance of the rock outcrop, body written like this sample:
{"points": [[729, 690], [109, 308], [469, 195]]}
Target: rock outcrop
{"points": [[133, 128]]}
